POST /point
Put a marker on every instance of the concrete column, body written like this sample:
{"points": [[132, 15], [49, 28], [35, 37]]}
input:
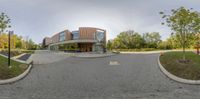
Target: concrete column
{"points": [[93, 48], [49, 47]]}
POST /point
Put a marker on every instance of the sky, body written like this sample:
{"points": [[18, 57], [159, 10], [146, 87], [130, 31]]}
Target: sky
{"points": [[37, 19]]}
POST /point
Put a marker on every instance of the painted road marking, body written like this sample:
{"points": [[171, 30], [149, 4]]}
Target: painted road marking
{"points": [[114, 63]]}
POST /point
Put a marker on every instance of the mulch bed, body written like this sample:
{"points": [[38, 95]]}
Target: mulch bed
{"points": [[24, 57]]}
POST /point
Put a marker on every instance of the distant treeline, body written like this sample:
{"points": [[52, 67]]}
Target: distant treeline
{"points": [[17, 42], [147, 41]]}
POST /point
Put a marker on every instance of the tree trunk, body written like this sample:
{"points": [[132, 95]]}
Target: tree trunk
{"points": [[184, 51], [184, 46]]}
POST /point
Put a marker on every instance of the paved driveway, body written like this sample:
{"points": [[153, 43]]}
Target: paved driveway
{"points": [[137, 77], [47, 57]]}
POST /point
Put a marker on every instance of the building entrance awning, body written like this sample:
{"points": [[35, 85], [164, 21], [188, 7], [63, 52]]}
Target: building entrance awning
{"points": [[74, 41]]}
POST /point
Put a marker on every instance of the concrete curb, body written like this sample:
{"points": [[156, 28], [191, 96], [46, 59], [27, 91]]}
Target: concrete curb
{"points": [[25, 62], [69, 54], [175, 78], [14, 79], [150, 52], [15, 57]]}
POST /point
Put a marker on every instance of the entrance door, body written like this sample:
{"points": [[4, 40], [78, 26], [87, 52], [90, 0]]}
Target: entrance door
{"points": [[85, 47]]}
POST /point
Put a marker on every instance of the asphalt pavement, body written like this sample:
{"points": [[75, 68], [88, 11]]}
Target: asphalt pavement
{"points": [[135, 76]]}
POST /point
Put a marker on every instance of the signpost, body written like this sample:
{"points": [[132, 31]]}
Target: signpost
{"points": [[9, 34]]}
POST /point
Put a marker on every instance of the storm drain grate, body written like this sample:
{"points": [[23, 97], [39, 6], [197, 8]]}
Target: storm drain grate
{"points": [[114, 63]]}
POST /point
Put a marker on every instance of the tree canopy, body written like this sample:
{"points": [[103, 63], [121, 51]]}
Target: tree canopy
{"points": [[185, 23], [4, 22], [16, 41], [134, 40]]}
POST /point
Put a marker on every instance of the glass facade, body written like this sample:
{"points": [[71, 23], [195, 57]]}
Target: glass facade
{"points": [[75, 35], [62, 36], [86, 40], [100, 36]]}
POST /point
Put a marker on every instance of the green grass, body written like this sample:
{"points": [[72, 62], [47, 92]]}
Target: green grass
{"points": [[137, 50], [16, 69], [189, 70], [145, 49]]}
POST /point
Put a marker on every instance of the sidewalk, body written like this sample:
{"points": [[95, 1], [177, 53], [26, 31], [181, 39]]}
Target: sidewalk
{"points": [[16, 59], [46, 57]]}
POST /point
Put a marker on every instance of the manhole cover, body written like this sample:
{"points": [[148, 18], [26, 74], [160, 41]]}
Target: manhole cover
{"points": [[114, 63]]}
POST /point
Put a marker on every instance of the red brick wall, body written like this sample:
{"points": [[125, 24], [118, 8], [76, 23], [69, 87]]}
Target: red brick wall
{"points": [[47, 41], [55, 38]]}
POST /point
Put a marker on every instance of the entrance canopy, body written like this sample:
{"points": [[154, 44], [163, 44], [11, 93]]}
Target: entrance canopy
{"points": [[74, 41]]}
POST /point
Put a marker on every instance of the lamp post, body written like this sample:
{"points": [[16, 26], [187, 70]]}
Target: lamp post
{"points": [[9, 34]]}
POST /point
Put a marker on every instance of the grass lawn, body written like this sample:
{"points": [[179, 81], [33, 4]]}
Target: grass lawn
{"points": [[16, 69], [15, 52], [136, 50], [189, 70]]}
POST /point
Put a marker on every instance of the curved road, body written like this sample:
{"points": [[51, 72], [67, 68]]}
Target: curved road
{"points": [[136, 77]]}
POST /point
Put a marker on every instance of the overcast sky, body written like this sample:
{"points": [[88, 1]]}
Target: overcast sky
{"points": [[40, 18]]}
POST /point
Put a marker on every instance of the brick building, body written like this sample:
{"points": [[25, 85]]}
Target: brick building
{"points": [[86, 39]]}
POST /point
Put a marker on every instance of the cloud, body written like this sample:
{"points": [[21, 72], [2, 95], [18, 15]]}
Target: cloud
{"points": [[40, 18]]}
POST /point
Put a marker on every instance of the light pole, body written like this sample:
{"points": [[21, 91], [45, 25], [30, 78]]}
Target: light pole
{"points": [[9, 34]]}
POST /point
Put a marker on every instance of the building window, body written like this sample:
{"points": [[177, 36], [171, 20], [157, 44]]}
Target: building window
{"points": [[100, 36], [75, 35], [62, 36]]}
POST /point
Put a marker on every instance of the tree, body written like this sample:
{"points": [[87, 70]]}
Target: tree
{"points": [[116, 43], [4, 22], [125, 38], [128, 40], [137, 41], [184, 22], [3, 41], [19, 42], [165, 45], [174, 40], [109, 45], [152, 39], [31, 45]]}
